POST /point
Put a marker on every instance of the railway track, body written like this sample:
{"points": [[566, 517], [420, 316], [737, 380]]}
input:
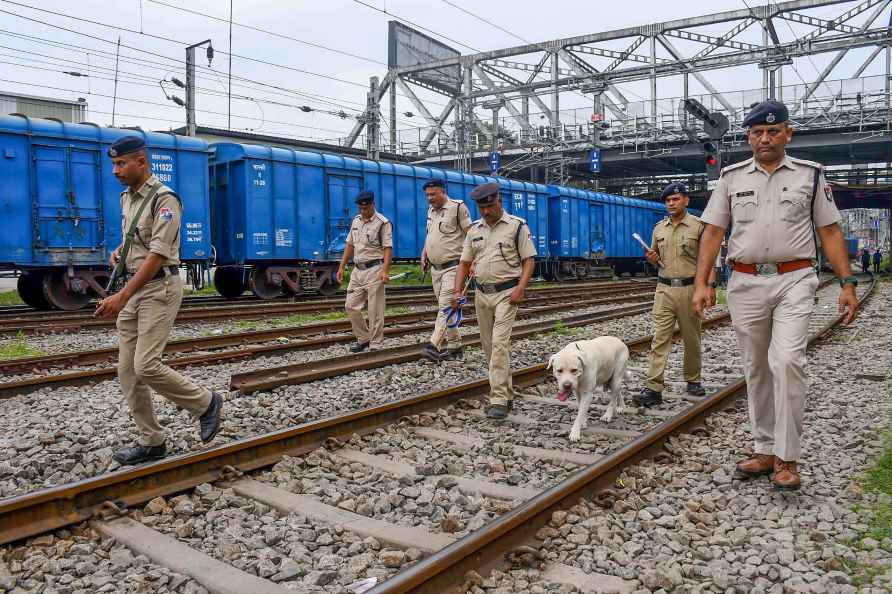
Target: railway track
{"points": [[330, 491], [326, 334], [73, 322]]}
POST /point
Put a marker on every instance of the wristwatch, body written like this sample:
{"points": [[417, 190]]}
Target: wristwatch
{"points": [[849, 280], [713, 284]]}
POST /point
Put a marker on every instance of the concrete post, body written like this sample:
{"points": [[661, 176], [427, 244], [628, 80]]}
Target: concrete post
{"points": [[373, 150], [393, 122]]}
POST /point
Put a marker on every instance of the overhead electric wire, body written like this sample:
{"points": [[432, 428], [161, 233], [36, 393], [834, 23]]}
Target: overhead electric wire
{"points": [[268, 32], [162, 38], [416, 25]]}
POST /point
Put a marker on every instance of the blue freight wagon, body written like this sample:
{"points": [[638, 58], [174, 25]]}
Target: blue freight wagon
{"points": [[852, 247], [281, 217], [60, 205]]}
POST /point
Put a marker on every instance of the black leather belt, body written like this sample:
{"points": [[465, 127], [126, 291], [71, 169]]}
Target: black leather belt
{"points": [[369, 264], [498, 287], [677, 282], [445, 265], [160, 274]]}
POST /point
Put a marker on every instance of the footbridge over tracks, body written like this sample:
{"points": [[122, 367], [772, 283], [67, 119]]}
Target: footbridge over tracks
{"points": [[510, 100]]}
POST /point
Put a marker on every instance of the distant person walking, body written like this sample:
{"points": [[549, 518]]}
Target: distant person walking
{"points": [[877, 258], [865, 260]]}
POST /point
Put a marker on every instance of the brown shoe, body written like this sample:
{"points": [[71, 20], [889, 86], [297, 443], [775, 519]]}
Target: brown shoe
{"points": [[786, 475], [757, 465]]}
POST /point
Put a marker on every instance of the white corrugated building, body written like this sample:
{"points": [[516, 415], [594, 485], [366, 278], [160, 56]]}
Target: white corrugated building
{"points": [[43, 107]]}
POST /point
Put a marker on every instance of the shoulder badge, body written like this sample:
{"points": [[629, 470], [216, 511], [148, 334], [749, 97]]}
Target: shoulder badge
{"points": [[165, 213]]}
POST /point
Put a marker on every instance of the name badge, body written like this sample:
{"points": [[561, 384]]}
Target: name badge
{"points": [[744, 194]]}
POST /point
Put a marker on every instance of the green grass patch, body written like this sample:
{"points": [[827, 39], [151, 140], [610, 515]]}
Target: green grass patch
{"points": [[17, 348], [877, 480], [207, 290], [302, 319], [10, 298], [561, 330]]}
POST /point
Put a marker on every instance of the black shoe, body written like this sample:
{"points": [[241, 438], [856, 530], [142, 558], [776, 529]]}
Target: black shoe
{"points": [[648, 397], [498, 411], [430, 353], [359, 347], [696, 389], [210, 420], [139, 453], [451, 354]]}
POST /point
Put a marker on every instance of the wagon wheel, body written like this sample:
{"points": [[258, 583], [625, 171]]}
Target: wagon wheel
{"points": [[262, 286], [230, 282], [328, 286], [58, 292], [560, 275], [30, 288]]}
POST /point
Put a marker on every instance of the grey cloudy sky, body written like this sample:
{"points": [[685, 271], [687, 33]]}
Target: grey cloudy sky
{"points": [[33, 54]]}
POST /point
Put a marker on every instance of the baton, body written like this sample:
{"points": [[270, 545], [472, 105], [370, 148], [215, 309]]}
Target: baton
{"points": [[645, 246]]}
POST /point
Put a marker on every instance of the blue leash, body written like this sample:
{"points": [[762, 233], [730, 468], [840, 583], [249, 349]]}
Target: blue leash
{"points": [[454, 315]]}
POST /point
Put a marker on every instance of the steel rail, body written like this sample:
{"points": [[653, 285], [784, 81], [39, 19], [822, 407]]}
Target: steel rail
{"points": [[483, 549], [80, 321], [300, 373], [49, 509], [95, 356], [75, 378]]}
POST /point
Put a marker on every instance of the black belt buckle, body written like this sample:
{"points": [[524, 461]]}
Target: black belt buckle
{"points": [[369, 264], [677, 282], [445, 265], [499, 287]]}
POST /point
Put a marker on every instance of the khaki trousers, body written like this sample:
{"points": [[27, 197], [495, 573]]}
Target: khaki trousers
{"points": [[495, 318], [366, 287], [673, 304], [770, 315], [143, 330], [443, 281]]}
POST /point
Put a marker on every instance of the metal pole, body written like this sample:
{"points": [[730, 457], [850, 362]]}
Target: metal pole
{"points": [[229, 93], [766, 74], [653, 80], [392, 90], [596, 128], [888, 72], [190, 91], [556, 96], [493, 136], [373, 151], [525, 113], [468, 119], [684, 112]]}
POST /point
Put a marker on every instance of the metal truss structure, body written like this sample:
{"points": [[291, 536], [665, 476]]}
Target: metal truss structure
{"points": [[516, 79]]}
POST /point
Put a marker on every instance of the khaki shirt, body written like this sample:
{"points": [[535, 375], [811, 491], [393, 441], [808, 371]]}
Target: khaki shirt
{"points": [[369, 238], [678, 246], [496, 256], [157, 232], [446, 230], [770, 214]]}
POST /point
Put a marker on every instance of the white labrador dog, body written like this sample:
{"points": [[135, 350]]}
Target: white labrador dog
{"points": [[584, 365]]}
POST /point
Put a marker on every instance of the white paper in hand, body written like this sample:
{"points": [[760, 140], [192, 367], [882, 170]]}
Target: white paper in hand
{"points": [[646, 247]]}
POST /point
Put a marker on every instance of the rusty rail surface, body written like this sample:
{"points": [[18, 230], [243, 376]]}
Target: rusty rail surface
{"points": [[48, 509], [75, 378], [47, 322], [444, 571]]}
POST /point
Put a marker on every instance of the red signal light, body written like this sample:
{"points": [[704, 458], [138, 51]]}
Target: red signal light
{"points": [[711, 160]]}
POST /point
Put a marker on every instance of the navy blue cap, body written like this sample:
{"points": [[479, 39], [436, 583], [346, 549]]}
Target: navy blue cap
{"points": [[125, 146], [485, 193], [434, 183], [365, 197], [767, 112], [674, 188]]}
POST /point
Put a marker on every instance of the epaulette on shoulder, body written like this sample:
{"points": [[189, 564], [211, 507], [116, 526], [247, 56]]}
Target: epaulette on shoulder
{"points": [[476, 223], [735, 166], [518, 219], [807, 163]]}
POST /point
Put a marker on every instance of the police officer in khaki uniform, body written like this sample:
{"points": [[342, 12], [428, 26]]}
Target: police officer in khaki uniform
{"points": [[503, 255], [148, 304], [777, 207], [448, 221], [370, 244], [674, 246]]}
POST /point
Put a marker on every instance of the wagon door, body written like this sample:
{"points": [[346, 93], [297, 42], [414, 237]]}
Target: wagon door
{"points": [[598, 239], [66, 205], [342, 190]]}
